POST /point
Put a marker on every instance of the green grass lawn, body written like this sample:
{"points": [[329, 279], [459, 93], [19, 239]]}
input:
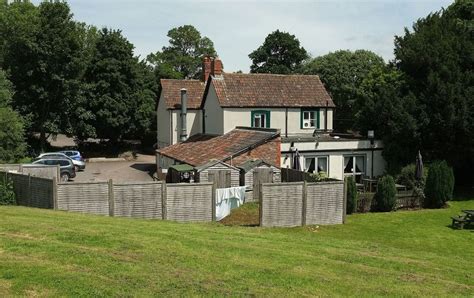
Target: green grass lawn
{"points": [[407, 253]]}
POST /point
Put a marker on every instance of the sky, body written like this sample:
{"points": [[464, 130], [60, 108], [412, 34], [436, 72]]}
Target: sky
{"points": [[239, 27]]}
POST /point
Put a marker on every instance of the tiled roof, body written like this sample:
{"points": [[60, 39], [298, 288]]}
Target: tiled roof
{"points": [[200, 149], [270, 90], [171, 91]]}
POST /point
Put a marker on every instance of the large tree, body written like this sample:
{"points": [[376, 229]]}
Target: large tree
{"points": [[386, 106], [437, 57], [120, 90], [42, 53], [12, 138], [342, 73], [280, 53], [182, 59]]}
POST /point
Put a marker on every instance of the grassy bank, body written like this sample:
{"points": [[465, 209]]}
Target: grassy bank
{"points": [[407, 253]]}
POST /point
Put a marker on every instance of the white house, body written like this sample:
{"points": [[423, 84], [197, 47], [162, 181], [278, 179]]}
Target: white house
{"points": [[297, 105]]}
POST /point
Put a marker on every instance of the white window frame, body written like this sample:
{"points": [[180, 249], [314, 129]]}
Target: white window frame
{"points": [[316, 158], [311, 116], [261, 120], [354, 173]]}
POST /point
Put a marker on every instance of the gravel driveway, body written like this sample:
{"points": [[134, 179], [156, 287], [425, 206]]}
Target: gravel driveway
{"points": [[139, 170]]}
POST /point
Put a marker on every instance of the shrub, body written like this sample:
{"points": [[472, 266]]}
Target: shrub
{"points": [[7, 196], [439, 185], [351, 195], [407, 176], [385, 197]]}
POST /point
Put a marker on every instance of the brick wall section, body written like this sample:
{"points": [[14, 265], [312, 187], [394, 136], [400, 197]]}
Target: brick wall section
{"points": [[270, 152]]}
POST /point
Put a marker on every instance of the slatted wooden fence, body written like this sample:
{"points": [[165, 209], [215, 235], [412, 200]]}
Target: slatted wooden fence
{"points": [[299, 203], [152, 200]]}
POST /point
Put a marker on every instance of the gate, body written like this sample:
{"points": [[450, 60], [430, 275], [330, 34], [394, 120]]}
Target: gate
{"points": [[261, 175], [220, 178]]}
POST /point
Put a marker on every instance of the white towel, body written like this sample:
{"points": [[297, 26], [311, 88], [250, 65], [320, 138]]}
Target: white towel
{"points": [[228, 199]]}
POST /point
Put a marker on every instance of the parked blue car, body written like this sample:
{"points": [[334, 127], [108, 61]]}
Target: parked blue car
{"points": [[73, 154]]}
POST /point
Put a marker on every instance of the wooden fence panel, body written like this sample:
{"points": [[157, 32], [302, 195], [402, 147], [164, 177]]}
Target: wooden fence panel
{"points": [[31, 191], [261, 175], [189, 202], [87, 197], [135, 199], [281, 204], [325, 203]]}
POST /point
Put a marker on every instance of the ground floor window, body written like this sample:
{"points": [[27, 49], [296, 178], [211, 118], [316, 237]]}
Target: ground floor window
{"points": [[354, 165], [316, 164]]}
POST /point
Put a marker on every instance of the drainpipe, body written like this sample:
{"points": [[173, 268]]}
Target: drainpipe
{"points": [[286, 122], [326, 117], [184, 102]]}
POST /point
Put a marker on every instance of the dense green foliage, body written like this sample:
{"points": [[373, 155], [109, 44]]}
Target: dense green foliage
{"points": [[7, 196], [42, 54], [412, 253], [407, 176], [387, 107], [120, 89], [280, 53], [438, 61], [342, 73], [12, 136], [439, 185], [385, 197], [351, 195], [72, 78], [182, 59]]}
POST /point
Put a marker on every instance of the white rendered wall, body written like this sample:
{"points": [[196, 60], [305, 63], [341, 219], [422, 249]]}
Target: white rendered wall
{"points": [[336, 158], [214, 115], [242, 117], [163, 124]]}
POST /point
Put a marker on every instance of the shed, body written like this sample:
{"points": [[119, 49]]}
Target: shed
{"points": [[224, 175], [180, 173], [247, 170]]}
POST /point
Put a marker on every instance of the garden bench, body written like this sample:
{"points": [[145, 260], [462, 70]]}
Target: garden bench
{"points": [[459, 220]]}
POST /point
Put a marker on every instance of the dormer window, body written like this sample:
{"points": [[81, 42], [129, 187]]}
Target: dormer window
{"points": [[309, 119], [260, 119]]}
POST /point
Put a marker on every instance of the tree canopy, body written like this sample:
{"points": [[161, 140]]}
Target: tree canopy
{"points": [[437, 57], [42, 55], [280, 53], [120, 89], [182, 59], [342, 73], [12, 138]]}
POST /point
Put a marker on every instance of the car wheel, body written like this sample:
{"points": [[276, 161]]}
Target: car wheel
{"points": [[64, 177]]}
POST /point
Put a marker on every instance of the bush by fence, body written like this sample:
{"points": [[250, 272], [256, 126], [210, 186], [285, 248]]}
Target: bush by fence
{"points": [[439, 185], [385, 197], [301, 203], [351, 195]]}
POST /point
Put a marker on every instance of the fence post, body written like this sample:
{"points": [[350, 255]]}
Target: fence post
{"points": [[213, 201], [111, 198], [58, 173], [305, 201], [55, 194], [164, 214], [344, 203], [260, 207]]}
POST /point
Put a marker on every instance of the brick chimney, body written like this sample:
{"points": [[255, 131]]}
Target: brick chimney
{"points": [[206, 68], [217, 67]]}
